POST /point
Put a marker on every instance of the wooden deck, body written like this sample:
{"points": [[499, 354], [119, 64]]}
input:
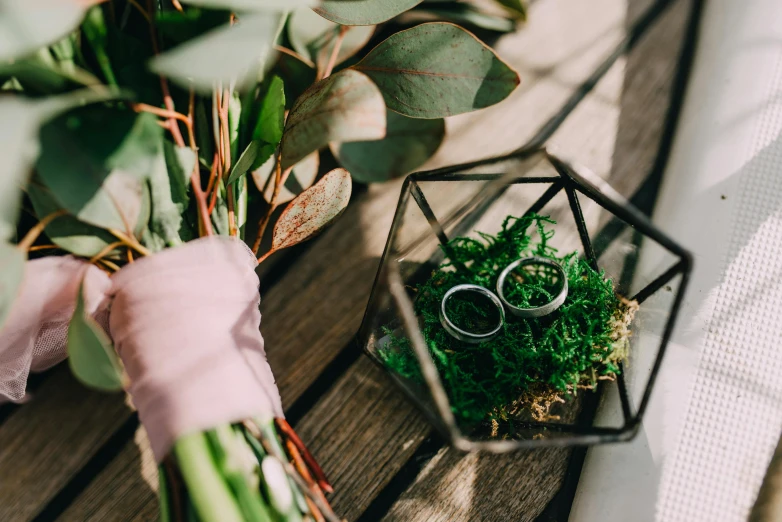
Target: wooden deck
{"points": [[75, 455]]}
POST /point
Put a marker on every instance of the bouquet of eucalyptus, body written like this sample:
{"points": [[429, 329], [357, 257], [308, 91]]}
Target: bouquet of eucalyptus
{"points": [[139, 137]]}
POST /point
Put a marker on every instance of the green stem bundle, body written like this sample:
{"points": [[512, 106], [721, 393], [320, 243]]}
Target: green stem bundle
{"points": [[238, 473]]}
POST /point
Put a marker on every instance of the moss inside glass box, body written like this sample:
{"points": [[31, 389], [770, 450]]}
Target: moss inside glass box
{"points": [[532, 363]]}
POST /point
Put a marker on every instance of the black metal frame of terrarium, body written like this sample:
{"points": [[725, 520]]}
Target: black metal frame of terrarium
{"points": [[612, 235]]}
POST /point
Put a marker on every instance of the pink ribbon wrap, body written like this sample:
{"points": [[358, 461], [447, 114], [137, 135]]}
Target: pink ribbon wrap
{"points": [[185, 323]]}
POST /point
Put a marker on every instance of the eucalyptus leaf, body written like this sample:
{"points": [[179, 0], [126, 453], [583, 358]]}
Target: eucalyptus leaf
{"points": [[466, 14], [39, 77], [408, 144], [313, 37], [19, 146], [245, 161], [300, 178], [180, 162], [90, 353], [253, 5], [234, 119], [66, 231], [168, 184], [436, 70], [95, 161], [515, 7], [229, 54], [96, 35], [27, 25], [220, 212], [297, 75], [346, 106], [271, 119], [313, 210], [11, 274], [363, 12], [18, 149]]}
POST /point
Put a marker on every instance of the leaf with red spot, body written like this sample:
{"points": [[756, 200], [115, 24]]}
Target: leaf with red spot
{"points": [[346, 106], [313, 210]]}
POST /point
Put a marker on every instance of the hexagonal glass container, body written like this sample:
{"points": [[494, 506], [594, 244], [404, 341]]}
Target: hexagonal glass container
{"points": [[643, 264]]}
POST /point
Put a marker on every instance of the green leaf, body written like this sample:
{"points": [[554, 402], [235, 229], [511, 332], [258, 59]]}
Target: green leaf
{"points": [[297, 74], [168, 184], [313, 37], [271, 119], [66, 231], [95, 161], [245, 161], [90, 354], [346, 106], [254, 5], [19, 146], [313, 210], [26, 26], [11, 275], [436, 70], [220, 212], [363, 12], [466, 14], [39, 77], [408, 144], [96, 34], [180, 162], [301, 178], [229, 54], [515, 7]]}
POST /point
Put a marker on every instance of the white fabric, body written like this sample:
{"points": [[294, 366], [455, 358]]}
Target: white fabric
{"points": [[716, 413]]}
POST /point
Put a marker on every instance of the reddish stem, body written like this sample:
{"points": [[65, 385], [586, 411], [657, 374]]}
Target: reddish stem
{"points": [[335, 51], [301, 467], [320, 477], [212, 174], [173, 127]]}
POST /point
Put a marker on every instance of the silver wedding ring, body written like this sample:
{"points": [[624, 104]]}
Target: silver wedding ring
{"points": [[538, 311], [464, 335]]}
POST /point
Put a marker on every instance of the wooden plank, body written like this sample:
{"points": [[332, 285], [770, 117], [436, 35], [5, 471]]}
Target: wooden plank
{"points": [[41, 441], [129, 493], [315, 309], [489, 488]]}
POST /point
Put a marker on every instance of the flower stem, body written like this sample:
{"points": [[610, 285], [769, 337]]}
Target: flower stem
{"points": [[165, 513], [208, 492], [28, 240], [335, 51]]}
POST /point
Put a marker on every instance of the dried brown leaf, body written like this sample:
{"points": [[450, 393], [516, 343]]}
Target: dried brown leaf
{"points": [[313, 210]]}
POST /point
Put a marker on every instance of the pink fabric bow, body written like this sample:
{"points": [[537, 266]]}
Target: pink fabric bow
{"points": [[185, 323]]}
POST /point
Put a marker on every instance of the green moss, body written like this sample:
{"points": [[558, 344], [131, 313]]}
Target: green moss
{"points": [[549, 357]]}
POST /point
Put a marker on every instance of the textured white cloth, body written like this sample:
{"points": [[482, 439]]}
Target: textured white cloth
{"points": [[716, 413]]}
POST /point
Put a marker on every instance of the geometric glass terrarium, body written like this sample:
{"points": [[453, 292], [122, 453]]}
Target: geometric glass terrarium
{"points": [[581, 375]]}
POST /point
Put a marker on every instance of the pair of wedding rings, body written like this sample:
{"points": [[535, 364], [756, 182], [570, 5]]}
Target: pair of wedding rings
{"points": [[500, 302]]}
